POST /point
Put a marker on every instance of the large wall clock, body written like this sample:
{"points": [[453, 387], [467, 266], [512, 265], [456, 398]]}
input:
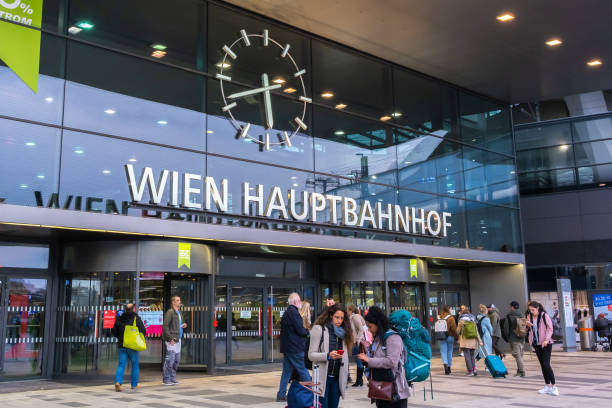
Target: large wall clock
{"points": [[262, 90]]}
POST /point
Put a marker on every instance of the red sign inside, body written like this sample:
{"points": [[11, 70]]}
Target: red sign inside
{"points": [[108, 320]]}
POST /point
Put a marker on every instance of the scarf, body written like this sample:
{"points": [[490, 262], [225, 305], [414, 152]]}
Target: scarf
{"points": [[338, 331]]}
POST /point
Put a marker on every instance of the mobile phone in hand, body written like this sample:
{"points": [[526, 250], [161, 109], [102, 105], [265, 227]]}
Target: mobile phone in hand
{"points": [[341, 352]]}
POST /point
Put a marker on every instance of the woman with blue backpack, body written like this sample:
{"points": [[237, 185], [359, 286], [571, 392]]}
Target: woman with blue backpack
{"points": [[387, 378]]}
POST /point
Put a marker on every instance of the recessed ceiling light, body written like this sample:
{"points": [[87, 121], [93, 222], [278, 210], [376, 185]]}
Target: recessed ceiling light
{"points": [[132, 160], [41, 176], [289, 90], [79, 151], [279, 80], [158, 54], [160, 47], [295, 184], [223, 65], [505, 17], [554, 42], [327, 95], [341, 106], [408, 162], [49, 99], [110, 111], [85, 25], [209, 132], [23, 186], [602, 185], [74, 30], [563, 147], [31, 144], [106, 172], [373, 177], [385, 118], [595, 62], [293, 177], [162, 122], [396, 114], [339, 132]]}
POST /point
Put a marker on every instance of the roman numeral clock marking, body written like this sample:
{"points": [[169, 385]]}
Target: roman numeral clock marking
{"points": [[263, 90]]}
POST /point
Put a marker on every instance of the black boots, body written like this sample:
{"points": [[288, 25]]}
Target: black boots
{"points": [[359, 382], [447, 370]]}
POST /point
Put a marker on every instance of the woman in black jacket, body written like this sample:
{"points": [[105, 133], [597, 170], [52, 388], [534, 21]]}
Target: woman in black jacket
{"points": [[127, 319]]}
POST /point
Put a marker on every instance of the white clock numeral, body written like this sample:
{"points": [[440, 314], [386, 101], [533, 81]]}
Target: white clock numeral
{"points": [[285, 51], [266, 38], [223, 77], [305, 99], [286, 138], [300, 123], [267, 141], [245, 38], [229, 52], [299, 73], [228, 107], [245, 130]]}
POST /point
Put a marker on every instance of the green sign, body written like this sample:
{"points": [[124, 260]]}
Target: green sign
{"points": [[184, 255], [414, 273], [20, 44]]}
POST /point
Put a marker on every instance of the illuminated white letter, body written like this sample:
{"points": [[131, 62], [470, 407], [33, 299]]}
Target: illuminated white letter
{"points": [[418, 220], [292, 206], [247, 199], [188, 190], [430, 221], [366, 214], [349, 211], [402, 220], [212, 191], [445, 223], [333, 207], [275, 202], [380, 215], [146, 180], [317, 204]]}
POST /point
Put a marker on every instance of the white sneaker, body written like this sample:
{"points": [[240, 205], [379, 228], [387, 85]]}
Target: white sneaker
{"points": [[554, 391], [545, 390]]}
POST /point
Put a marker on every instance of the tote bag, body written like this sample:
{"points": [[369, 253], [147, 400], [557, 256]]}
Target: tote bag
{"points": [[133, 338]]}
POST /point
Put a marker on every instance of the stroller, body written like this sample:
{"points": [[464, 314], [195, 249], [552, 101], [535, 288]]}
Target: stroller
{"points": [[604, 342], [602, 333]]}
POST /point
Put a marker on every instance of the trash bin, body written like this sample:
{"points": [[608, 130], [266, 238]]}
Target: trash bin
{"points": [[587, 336]]}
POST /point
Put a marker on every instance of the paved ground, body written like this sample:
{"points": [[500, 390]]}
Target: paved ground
{"points": [[583, 379]]}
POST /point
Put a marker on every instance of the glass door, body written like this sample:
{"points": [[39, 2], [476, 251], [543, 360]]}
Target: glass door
{"points": [[247, 322], [407, 297], [151, 311], [22, 312], [278, 301]]}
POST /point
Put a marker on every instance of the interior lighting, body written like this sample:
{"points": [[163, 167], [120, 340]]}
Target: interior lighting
{"points": [[79, 151], [160, 47], [295, 184], [339, 132], [158, 54], [106, 172], [110, 111], [40, 176], [373, 177], [602, 185], [289, 90], [223, 65], [85, 25], [341, 106], [554, 42], [385, 118], [327, 95], [594, 62], [279, 80], [209, 132], [162, 122], [132, 160], [23, 186], [74, 30], [504, 18], [49, 99], [563, 147], [396, 114], [30, 144]]}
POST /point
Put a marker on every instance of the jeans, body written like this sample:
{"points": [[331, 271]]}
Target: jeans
{"points": [[517, 353], [355, 352], [446, 350], [125, 355], [470, 359], [291, 361], [170, 366], [543, 354], [332, 393]]}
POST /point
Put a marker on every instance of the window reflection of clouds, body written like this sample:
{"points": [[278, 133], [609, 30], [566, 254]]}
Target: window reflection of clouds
{"points": [[94, 166], [29, 161], [103, 111]]}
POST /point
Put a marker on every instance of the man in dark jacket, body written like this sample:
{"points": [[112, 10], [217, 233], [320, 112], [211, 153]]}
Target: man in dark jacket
{"points": [[292, 345], [602, 326], [172, 332], [125, 354], [494, 317], [517, 344]]}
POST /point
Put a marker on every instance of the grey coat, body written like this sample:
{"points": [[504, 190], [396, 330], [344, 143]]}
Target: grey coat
{"points": [[392, 356], [320, 357], [494, 316], [357, 323]]}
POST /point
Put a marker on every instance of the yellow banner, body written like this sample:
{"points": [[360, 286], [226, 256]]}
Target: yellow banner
{"points": [[184, 255]]}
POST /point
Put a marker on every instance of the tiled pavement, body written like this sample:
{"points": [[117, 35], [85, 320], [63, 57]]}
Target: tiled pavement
{"points": [[583, 380]]}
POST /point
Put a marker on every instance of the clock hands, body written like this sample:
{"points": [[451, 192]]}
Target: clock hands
{"points": [[267, 101]]}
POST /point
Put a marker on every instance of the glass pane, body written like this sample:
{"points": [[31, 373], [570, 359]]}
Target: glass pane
{"points": [[593, 129], [543, 136], [593, 153], [546, 158], [247, 324], [136, 26], [257, 268], [493, 228], [403, 296], [364, 294], [485, 123], [151, 311], [447, 276], [25, 327], [30, 155], [329, 290], [278, 301], [547, 180], [489, 177], [23, 256], [221, 324], [596, 175]]}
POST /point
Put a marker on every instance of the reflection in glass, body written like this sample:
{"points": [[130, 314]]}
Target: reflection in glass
{"points": [[247, 324], [489, 177], [277, 306], [493, 228], [547, 181], [221, 327], [592, 129], [485, 123], [543, 136], [364, 294], [545, 158], [593, 153], [595, 175], [403, 296]]}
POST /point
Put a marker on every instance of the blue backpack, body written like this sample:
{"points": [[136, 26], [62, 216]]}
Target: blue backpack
{"points": [[416, 342]]}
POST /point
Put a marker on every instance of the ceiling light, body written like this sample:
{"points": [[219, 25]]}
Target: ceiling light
{"points": [[293, 177], [132, 160], [505, 17], [327, 94], [23, 186], [162, 122], [602, 185], [339, 132], [48, 99], [110, 111], [340, 106], [396, 114], [385, 118], [209, 132], [79, 151], [408, 162], [223, 65], [160, 47], [554, 42], [41, 176], [30, 144], [594, 62], [279, 80], [85, 25], [295, 184], [373, 177], [289, 90], [158, 54], [106, 172], [563, 147], [74, 30]]}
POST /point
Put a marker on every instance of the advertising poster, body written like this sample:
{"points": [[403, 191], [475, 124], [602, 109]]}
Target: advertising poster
{"points": [[602, 303], [153, 321], [108, 319]]}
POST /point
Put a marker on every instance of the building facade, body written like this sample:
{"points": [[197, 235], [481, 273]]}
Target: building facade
{"points": [[212, 153]]}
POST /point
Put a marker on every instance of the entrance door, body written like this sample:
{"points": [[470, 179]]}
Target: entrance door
{"points": [[407, 297], [278, 301], [247, 325], [22, 317]]}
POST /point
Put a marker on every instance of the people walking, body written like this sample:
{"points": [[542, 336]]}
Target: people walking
{"points": [[357, 324], [517, 343], [485, 330], [292, 344], [128, 318], [602, 326], [469, 339], [330, 340], [540, 337], [388, 356], [495, 318], [172, 332], [447, 338]]}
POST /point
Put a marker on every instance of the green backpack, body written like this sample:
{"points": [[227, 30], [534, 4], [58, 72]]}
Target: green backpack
{"points": [[470, 331]]}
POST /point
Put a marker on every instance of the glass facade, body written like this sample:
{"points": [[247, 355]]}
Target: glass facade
{"points": [[119, 93]]}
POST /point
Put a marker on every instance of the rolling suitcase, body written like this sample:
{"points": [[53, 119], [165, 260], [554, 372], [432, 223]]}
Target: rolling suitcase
{"points": [[496, 366]]}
